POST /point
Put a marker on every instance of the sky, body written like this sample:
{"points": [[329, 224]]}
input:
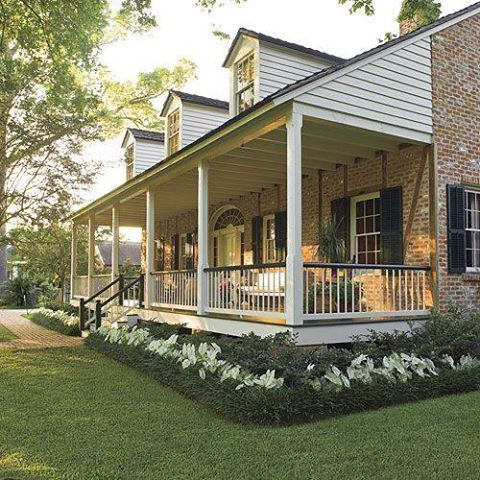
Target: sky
{"points": [[185, 31]]}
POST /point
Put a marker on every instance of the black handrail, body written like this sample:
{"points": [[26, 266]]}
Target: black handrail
{"points": [[245, 267], [85, 301], [363, 266]]}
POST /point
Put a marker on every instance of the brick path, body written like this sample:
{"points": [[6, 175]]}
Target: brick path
{"points": [[31, 335]]}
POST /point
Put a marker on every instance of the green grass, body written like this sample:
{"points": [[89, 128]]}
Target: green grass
{"points": [[5, 334], [74, 414]]}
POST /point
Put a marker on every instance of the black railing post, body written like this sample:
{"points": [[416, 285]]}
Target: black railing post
{"points": [[81, 314], [98, 314], [121, 285], [141, 290]]}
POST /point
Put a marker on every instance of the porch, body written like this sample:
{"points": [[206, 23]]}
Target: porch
{"points": [[209, 262]]}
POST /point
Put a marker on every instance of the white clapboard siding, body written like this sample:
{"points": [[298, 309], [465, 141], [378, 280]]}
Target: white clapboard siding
{"points": [[279, 67], [147, 154], [394, 90], [197, 120]]}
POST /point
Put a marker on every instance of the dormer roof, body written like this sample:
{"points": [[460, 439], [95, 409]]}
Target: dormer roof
{"points": [[193, 98], [139, 134], [280, 43]]}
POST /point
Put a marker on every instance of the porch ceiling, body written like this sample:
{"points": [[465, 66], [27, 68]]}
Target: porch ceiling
{"points": [[257, 165]]}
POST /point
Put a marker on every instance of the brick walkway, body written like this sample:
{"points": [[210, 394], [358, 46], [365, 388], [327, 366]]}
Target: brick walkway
{"points": [[31, 335]]}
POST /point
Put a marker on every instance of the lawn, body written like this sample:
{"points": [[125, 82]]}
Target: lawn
{"points": [[5, 334], [74, 414]]}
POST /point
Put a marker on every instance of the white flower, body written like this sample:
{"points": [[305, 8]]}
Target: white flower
{"points": [[310, 367]]}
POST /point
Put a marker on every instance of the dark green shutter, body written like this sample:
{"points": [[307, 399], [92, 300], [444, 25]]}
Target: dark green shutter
{"points": [[281, 236], [391, 225], [175, 252], [340, 208], [456, 228], [257, 240]]}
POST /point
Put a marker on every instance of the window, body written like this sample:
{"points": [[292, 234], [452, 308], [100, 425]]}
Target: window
{"points": [[129, 159], [472, 229], [365, 228], [160, 257], [245, 82], [173, 129], [186, 252], [269, 252]]}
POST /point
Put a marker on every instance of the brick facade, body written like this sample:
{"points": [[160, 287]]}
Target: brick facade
{"points": [[365, 176], [456, 117]]}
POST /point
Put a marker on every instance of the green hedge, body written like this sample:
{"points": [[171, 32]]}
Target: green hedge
{"points": [[53, 324], [291, 404]]}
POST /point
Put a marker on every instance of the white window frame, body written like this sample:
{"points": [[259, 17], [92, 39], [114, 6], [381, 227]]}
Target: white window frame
{"points": [[353, 221], [475, 192], [176, 133], [251, 57], [266, 240]]}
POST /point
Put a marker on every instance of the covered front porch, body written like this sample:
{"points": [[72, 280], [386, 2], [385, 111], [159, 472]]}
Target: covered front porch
{"points": [[232, 231]]}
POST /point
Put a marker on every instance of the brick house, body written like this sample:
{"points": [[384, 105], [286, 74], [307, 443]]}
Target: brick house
{"points": [[326, 198]]}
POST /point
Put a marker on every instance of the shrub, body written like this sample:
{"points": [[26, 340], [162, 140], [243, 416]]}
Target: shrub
{"points": [[65, 307], [222, 373], [57, 320], [20, 292]]}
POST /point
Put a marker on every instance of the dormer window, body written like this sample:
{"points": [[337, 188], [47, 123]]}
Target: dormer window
{"points": [[130, 161], [245, 82], [173, 129]]}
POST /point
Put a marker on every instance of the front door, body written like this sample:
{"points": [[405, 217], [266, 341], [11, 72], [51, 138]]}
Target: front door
{"points": [[229, 248]]}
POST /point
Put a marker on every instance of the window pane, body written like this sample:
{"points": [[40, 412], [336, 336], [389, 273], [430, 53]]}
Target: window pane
{"points": [[371, 243], [360, 209], [360, 225], [372, 258], [369, 207], [369, 225], [362, 244]]}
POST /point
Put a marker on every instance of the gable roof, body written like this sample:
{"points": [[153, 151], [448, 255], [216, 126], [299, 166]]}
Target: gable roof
{"points": [[268, 102], [193, 98], [280, 43], [127, 250], [370, 53], [139, 134]]}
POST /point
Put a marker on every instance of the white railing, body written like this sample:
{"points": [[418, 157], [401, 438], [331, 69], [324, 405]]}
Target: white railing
{"points": [[80, 286], [256, 290], [351, 291], [101, 281], [175, 289]]}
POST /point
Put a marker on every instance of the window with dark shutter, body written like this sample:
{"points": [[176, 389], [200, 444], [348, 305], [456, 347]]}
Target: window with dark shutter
{"points": [[281, 236], [189, 251], [391, 226], [456, 228], [257, 240]]}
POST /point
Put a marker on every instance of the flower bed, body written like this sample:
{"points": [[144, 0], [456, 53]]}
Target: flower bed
{"points": [[270, 381], [57, 320]]}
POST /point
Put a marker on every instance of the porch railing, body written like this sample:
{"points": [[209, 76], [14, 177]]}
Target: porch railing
{"points": [[175, 289], [80, 286], [348, 291], [247, 290]]}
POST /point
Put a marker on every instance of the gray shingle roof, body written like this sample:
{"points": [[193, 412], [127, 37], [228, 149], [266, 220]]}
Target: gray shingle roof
{"points": [[201, 100], [282, 43], [130, 250], [147, 135]]}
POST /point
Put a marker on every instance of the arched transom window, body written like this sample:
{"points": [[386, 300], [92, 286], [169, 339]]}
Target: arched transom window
{"points": [[231, 217]]}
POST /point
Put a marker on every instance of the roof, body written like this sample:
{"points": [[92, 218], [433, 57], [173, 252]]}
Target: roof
{"points": [[196, 99], [149, 135], [130, 250], [281, 43], [291, 87], [373, 51]]}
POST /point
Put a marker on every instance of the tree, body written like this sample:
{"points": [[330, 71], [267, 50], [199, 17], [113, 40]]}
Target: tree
{"points": [[55, 95], [424, 11]]}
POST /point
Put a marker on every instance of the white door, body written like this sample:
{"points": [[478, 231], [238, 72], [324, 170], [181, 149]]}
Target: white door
{"points": [[228, 248]]}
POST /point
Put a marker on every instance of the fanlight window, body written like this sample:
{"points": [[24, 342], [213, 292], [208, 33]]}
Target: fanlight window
{"points": [[229, 217]]}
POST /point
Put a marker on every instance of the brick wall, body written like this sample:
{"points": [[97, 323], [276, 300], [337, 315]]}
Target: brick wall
{"points": [[456, 106], [366, 176]]}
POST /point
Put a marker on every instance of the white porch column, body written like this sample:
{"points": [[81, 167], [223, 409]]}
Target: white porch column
{"points": [[150, 248], [91, 253], [202, 284], [294, 274], [73, 259], [115, 242]]}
